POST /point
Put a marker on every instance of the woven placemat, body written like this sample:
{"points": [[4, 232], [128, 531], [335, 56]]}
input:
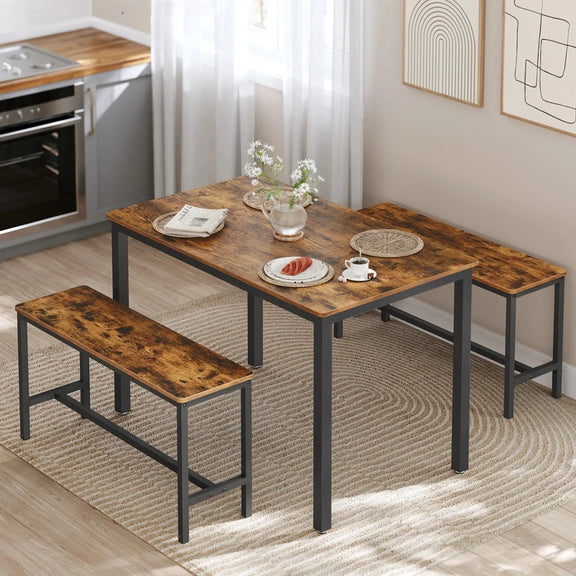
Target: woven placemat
{"points": [[161, 221], [255, 200], [327, 278], [387, 243]]}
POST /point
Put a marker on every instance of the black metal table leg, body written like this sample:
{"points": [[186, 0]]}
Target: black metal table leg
{"points": [[120, 292], [85, 379], [23, 377], [255, 331], [246, 454], [339, 329], [510, 356], [461, 372], [322, 425], [182, 459], [558, 337]]}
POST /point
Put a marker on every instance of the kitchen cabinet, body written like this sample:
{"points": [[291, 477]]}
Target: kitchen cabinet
{"points": [[118, 139], [112, 153]]}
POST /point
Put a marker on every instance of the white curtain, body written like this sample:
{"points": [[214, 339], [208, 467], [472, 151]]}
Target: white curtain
{"points": [[203, 95], [323, 92]]}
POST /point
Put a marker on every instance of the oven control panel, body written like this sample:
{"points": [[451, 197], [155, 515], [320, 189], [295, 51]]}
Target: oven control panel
{"points": [[41, 105], [20, 115]]}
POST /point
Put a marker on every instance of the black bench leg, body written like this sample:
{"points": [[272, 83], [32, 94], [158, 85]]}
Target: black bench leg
{"points": [[182, 460], [558, 337], [246, 431], [23, 378], [509, 356]]}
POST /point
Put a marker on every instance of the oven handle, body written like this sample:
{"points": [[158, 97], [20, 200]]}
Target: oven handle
{"points": [[42, 128]]}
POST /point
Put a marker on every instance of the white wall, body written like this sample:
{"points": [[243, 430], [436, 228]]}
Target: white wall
{"points": [[20, 19], [24, 19], [130, 13], [504, 178]]}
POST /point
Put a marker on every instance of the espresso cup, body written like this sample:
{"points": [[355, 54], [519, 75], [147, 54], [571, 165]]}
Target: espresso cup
{"points": [[358, 266]]}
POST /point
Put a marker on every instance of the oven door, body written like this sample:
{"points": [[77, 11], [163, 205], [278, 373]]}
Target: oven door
{"points": [[41, 181]]}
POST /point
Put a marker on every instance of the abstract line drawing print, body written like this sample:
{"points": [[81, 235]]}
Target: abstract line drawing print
{"points": [[444, 47], [539, 62]]}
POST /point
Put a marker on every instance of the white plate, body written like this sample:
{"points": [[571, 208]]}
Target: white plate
{"points": [[315, 271], [348, 275]]}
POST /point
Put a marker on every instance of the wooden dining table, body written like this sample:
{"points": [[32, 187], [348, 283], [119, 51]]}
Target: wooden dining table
{"points": [[237, 253]]}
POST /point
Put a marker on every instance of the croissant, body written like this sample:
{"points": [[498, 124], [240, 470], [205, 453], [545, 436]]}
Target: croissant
{"points": [[297, 266]]}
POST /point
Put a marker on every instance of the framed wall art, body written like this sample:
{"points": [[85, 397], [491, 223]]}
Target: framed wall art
{"points": [[444, 48], [539, 63]]}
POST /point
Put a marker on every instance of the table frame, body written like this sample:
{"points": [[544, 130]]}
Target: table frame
{"points": [[323, 328]]}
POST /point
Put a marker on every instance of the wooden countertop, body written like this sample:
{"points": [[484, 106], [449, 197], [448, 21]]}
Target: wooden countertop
{"points": [[96, 51]]}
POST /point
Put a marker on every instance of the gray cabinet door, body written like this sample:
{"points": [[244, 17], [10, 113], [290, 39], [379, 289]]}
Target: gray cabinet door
{"points": [[119, 139]]}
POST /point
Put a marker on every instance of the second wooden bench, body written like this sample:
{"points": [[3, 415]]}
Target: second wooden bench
{"points": [[169, 365], [501, 270]]}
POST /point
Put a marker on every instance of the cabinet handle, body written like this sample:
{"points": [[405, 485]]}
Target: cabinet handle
{"points": [[91, 97]]}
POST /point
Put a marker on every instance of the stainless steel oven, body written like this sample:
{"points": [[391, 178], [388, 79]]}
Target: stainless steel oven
{"points": [[41, 159]]}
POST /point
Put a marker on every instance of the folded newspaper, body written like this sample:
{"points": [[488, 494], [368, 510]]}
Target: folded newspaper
{"points": [[196, 221]]}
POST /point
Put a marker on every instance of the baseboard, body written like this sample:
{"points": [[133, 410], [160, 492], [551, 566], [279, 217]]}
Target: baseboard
{"points": [[494, 341], [122, 31]]}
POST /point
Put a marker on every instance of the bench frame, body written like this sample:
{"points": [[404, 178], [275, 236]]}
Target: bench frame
{"points": [[179, 465], [515, 372]]}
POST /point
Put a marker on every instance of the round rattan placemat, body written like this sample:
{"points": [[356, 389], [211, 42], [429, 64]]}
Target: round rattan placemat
{"points": [[387, 243], [329, 275]]}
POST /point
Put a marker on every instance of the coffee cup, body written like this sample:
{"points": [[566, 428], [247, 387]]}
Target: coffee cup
{"points": [[358, 266]]}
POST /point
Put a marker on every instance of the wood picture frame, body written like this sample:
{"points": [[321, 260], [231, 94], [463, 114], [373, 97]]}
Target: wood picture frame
{"points": [[539, 63], [444, 48]]}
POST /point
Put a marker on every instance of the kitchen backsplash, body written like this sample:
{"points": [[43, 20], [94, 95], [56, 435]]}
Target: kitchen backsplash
{"points": [[25, 18]]}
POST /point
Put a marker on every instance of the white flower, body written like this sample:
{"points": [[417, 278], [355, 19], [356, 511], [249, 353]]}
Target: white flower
{"points": [[308, 164], [253, 171], [304, 188], [296, 175]]}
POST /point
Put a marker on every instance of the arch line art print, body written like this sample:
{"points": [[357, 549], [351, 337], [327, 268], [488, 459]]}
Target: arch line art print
{"points": [[539, 63], [444, 48]]}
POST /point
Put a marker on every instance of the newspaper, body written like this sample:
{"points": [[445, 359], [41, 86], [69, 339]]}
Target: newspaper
{"points": [[197, 221]]}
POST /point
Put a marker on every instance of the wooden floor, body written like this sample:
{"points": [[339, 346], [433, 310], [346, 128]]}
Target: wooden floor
{"points": [[46, 530]]}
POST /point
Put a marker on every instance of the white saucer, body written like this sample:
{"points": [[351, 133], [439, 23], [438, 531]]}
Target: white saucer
{"points": [[348, 275]]}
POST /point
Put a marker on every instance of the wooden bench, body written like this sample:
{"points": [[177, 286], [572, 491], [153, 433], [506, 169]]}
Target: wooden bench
{"points": [[501, 270], [160, 360]]}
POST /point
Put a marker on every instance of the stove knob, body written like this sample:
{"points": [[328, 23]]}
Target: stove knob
{"points": [[16, 71], [20, 114], [6, 66]]}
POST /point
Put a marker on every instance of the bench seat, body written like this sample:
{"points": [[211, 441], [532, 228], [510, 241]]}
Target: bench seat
{"points": [[153, 356], [502, 270]]}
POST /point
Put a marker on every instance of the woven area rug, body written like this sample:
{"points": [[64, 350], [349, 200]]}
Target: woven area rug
{"points": [[397, 506]]}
